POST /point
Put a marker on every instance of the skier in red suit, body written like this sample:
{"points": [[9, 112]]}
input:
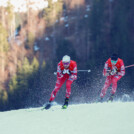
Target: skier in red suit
{"points": [[114, 70], [66, 71]]}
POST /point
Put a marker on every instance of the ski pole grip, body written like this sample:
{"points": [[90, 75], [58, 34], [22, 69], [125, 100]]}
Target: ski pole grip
{"points": [[89, 71]]}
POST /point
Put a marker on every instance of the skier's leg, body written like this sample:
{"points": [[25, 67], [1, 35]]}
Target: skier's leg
{"points": [[59, 83], [114, 83], [114, 86], [106, 85], [68, 88], [68, 93]]}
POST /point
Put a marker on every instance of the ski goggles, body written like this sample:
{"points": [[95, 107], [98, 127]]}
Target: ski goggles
{"points": [[113, 61], [66, 63]]}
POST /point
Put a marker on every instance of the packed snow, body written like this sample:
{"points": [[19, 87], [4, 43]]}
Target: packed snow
{"points": [[97, 118]]}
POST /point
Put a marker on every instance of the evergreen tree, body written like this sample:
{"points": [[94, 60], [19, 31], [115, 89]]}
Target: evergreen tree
{"points": [[30, 41], [65, 47], [119, 31], [23, 86], [10, 19], [35, 65], [25, 71], [13, 84], [122, 35], [4, 46], [53, 11], [97, 25]]}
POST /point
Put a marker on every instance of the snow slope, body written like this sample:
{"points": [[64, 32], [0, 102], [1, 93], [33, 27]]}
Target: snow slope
{"points": [[97, 118]]}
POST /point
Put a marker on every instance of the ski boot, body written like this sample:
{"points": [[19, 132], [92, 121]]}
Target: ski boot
{"points": [[48, 105], [111, 98], [65, 104]]}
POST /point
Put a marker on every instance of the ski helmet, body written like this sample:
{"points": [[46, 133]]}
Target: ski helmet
{"points": [[66, 59], [114, 57]]}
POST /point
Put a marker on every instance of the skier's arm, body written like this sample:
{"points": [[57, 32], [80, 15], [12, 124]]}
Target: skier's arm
{"points": [[59, 71], [122, 69], [73, 75], [106, 72]]}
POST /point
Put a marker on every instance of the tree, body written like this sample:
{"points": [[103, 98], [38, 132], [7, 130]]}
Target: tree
{"points": [[54, 9], [30, 41], [4, 46], [65, 47], [97, 25], [35, 64], [23, 85], [13, 84], [122, 35], [10, 19]]}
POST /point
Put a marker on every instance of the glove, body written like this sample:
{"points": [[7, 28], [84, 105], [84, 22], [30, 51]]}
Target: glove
{"points": [[66, 71], [60, 75], [73, 77], [106, 72], [113, 72]]}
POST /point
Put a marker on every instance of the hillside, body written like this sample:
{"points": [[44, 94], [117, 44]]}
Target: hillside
{"points": [[106, 118], [32, 42]]}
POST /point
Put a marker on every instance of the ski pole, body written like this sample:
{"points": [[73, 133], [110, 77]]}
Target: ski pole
{"points": [[84, 70], [129, 66], [55, 73], [125, 67]]}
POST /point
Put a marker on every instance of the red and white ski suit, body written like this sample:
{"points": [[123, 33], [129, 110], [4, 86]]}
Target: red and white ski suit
{"points": [[61, 78], [112, 79]]}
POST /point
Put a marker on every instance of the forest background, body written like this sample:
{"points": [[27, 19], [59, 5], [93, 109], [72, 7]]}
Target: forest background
{"points": [[33, 42]]}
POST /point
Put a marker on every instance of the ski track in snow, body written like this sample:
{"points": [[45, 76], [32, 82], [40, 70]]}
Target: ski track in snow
{"points": [[97, 118]]}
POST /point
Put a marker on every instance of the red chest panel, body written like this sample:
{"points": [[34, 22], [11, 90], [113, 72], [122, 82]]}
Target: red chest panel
{"points": [[118, 64], [71, 66]]}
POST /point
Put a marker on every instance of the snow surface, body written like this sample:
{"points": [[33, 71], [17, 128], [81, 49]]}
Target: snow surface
{"points": [[97, 118]]}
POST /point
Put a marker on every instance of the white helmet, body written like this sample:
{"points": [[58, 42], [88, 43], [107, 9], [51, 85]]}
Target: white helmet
{"points": [[66, 58]]}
